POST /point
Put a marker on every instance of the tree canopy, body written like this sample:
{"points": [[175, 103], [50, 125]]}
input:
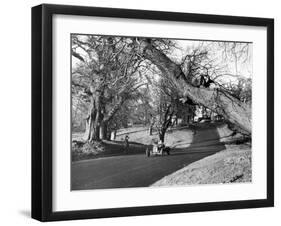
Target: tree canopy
{"points": [[121, 80]]}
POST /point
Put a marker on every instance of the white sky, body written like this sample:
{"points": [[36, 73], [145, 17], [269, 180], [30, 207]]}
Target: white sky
{"points": [[244, 69]]}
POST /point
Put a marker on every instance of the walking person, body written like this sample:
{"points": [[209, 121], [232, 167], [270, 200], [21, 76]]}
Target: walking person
{"points": [[126, 144]]}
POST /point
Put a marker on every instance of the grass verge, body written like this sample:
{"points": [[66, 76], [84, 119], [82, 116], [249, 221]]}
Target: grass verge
{"points": [[96, 149], [229, 166]]}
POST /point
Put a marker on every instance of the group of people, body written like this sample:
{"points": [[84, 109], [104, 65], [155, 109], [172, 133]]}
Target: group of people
{"points": [[156, 144]]}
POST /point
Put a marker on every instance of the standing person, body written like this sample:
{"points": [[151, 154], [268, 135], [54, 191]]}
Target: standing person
{"points": [[126, 144]]}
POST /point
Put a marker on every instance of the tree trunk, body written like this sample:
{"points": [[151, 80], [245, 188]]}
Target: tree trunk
{"points": [[95, 132], [167, 121], [104, 120], [94, 119], [88, 126], [113, 134], [90, 120], [162, 135], [103, 130], [218, 101], [150, 130], [92, 129], [163, 131]]}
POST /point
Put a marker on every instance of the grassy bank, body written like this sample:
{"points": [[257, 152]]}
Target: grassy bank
{"points": [[139, 140], [228, 166], [82, 151]]}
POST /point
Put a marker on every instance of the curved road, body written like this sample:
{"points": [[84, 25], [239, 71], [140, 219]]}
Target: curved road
{"points": [[138, 170]]}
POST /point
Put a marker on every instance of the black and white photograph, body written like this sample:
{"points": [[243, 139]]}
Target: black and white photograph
{"points": [[144, 112], [159, 112], [140, 113]]}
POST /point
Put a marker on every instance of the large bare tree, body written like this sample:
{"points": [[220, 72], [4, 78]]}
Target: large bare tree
{"points": [[106, 77], [218, 100]]}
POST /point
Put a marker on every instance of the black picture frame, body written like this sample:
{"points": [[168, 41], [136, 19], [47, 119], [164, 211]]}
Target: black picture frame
{"points": [[42, 83]]}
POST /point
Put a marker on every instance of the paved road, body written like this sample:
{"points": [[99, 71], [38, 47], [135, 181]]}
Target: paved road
{"points": [[140, 171]]}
